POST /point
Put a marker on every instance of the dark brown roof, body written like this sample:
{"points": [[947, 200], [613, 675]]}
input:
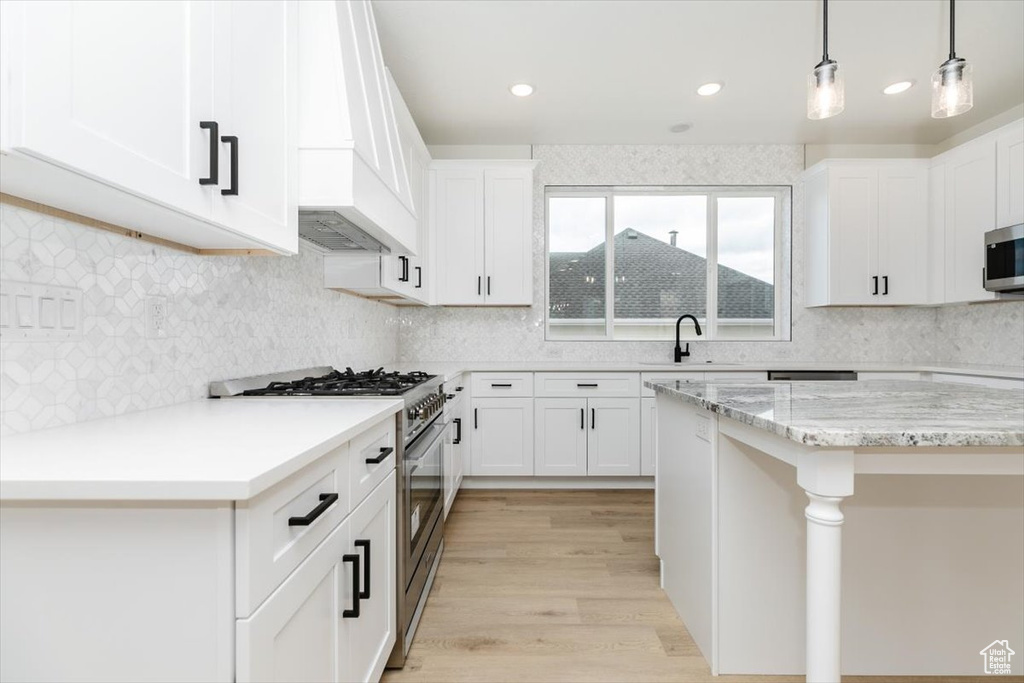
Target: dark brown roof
{"points": [[653, 279]]}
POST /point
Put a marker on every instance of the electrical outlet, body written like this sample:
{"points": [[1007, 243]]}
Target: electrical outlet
{"points": [[156, 317], [703, 428]]}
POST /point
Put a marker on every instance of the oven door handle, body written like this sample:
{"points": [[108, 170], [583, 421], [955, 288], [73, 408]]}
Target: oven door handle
{"points": [[422, 451]]}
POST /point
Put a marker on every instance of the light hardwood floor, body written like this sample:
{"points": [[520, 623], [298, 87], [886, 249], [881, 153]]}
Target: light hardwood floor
{"points": [[556, 586]]}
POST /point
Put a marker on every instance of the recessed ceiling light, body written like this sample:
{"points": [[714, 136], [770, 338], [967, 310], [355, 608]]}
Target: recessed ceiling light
{"points": [[709, 89], [680, 127], [897, 88], [521, 89]]}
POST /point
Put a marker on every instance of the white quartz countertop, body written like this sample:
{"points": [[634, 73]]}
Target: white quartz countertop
{"points": [[453, 369], [871, 413], [228, 449]]}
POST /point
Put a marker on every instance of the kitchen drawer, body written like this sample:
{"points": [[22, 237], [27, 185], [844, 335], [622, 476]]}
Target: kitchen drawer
{"points": [[600, 384], [992, 382], [737, 376], [667, 377], [861, 376], [267, 547], [502, 384], [363, 475]]}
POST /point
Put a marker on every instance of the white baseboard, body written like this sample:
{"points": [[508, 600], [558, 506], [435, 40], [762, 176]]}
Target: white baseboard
{"points": [[558, 483]]}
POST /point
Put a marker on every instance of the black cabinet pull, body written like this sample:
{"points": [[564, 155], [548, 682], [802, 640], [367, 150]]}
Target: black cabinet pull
{"points": [[583, 419], [214, 156], [885, 285], [365, 545], [507, 386], [478, 280], [419, 277], [476, 423], [488, 285], [354, 612], [379, 458], [449, 397], [458, 430], [874, 283], [233, 141], [326, 501], [458, 388], [587, 386], [593, 418]]}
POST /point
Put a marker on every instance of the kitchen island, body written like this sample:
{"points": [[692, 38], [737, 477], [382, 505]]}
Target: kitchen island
{"points": [[754, 483]]}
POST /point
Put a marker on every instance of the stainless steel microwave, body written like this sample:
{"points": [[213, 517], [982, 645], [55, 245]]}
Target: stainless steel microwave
{"points": [[1004, 259]]}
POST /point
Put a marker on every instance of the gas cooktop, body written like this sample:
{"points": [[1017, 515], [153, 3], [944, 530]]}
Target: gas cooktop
{"points": [[347, 383]]}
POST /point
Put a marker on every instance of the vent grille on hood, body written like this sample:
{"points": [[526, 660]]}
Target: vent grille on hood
{"points": [[331, 231]]}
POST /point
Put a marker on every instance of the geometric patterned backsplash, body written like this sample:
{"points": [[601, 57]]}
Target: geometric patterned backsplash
{"points": [[222, 317]]}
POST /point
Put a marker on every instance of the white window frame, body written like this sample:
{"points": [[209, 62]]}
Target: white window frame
{"points": [[782, 290]]}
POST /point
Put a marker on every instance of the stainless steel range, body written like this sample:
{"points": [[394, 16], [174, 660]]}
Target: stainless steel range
{"points": [[420, 477]]}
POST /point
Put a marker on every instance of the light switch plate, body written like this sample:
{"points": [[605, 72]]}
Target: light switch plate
{"points": [[703, 428], [34, 312]]}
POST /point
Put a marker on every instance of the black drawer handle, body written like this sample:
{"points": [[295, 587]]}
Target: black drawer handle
{"points": [[458, 388], [507, 386], [354, 612], [214, 156], [458, 430], [419, 277], [233, 141], [365, 545], [449, 397], [379, 458], [587, 386], [326, 501]]}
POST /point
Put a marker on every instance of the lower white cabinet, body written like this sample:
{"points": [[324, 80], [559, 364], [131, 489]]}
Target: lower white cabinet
{"points": [[502, 439], [454, 450], [333, 619], [596, 436], [648, 436]]}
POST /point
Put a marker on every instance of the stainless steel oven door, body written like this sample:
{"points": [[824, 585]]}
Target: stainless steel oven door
{"points": [[423, 492]]}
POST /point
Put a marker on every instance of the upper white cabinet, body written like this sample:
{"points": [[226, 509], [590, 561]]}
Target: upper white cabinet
{"points": [[483, 213], [1010, 175], [866, 233], [176, 119], [350, 154]]}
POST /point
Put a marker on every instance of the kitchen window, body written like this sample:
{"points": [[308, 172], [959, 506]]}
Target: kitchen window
{"points": [[624, 263]]}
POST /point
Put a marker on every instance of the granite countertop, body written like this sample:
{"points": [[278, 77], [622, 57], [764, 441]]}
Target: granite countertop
{"points": [[451, 370], [231, 449], [870, 413]]}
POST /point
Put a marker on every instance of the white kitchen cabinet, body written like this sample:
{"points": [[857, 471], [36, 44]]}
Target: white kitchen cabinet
{"points": [[454, 446], [969, 212], [484, 229], [502, 437], [648, 436], [561, 436], [613, 440], [867, 227], [1010, 175], [103, 104]]}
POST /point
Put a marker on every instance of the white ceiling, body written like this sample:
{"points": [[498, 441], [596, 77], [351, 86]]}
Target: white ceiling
{"points": [[614, 71]]}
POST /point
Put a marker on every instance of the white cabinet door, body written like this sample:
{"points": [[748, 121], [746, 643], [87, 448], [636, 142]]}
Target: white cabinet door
{"points": [[852, 230], [459, 200], [902, 234], [293, 636], [970, 213], [560, 436], [648, 435], [502, 436], [115, 91], [1010, 176], [365, 642], [255, 86], [448, 466], [508, 226], [613, 437]]}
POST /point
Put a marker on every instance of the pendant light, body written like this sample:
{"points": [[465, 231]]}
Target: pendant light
{"points": [[825, 95], [952, 89]]}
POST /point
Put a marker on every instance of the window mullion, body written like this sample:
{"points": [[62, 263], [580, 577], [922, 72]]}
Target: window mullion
{"points": [[609, 267], [711, 317]]}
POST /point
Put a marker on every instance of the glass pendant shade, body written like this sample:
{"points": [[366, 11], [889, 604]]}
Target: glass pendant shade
{"points": [[952, 89], [825, 96]]}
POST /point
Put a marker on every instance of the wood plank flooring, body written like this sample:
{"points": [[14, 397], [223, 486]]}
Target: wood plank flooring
{"points": [[557, 586]]}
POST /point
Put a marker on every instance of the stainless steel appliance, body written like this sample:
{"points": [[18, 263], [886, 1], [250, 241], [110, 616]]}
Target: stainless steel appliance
{"points": [[421, 426], [1004, 259], [812, 376]]}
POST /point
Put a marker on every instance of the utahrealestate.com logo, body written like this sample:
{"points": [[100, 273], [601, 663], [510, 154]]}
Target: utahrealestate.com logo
{"points": [[997, 657]]}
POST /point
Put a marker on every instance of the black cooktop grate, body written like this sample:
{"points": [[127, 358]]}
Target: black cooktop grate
{"points": [[347, 383]]}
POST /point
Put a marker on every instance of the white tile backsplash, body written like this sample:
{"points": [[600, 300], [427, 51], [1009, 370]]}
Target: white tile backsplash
{"points": [[225, 316], [986, 334]]}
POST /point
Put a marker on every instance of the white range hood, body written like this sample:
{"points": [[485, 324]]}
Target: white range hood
{"points": [[354, 190]]}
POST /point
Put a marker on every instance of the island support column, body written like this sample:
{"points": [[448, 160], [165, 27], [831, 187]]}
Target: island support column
{"points": [[827, 478]]}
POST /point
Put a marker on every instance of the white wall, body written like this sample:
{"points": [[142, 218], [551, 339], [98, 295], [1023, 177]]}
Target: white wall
{"points": [[228, 317]]}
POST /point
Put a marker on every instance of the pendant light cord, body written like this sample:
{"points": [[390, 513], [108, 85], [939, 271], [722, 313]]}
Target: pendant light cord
{"points": [[824, 41], [952, 25]]}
